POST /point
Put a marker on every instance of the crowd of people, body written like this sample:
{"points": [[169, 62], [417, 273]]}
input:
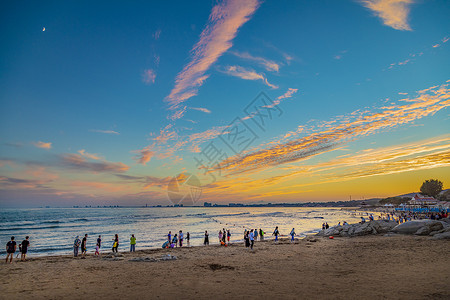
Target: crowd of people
{"points": [[115, 246], [173, 241]]}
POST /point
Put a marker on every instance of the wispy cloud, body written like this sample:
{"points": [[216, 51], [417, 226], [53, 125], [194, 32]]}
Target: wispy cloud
{"points": [[394, 13], [351, 127], [148, 76], [157, 34], [289, 93], [216, 38], [42, 145], [104, 131], [247, 74], [83, 152], [77, 161], [205, 110], [15, 145], [269, 65], [443, 41], [340, 55]]}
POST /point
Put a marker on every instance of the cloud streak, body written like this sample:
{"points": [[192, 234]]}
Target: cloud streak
{"points": [[205, 110], [269, 65], [247, 74], [104, 131], [393, 13], [77, 161], [216, 38]]}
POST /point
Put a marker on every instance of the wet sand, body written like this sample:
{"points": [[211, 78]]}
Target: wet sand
{"points": [[370, 267]]}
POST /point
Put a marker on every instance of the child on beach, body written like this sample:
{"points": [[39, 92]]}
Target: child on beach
{"points": [[228, 235], [175, 241], [292, 234], [97, 250]]}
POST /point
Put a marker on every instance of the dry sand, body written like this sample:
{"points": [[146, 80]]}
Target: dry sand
{"points": [[371, 267]]}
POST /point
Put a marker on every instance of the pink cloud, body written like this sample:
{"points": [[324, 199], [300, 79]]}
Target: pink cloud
{"points": [[149, 76], [216, 38], [43, 145]]}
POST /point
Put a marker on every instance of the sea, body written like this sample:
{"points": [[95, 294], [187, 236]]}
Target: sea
{"points": [[52, 230]]}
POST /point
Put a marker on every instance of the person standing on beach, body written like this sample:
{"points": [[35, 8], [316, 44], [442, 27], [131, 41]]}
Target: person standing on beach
{"points": [[276, 233], [206, 241], [228, 236], [11, 247], [246, 239], [169, 237], [292, 234], [83, 246], [24, 250], [99, 242], [76, 245], [224, 237], [220, 236], [181, 236], [132, 243], [261, 234], [188, 237], [252, 239], [116, 243], [255, 233]]}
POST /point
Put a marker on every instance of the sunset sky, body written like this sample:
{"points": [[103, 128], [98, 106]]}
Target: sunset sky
{"points": [[104, 102]]}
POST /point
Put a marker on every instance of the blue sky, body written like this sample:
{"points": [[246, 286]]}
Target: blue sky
{"points": [[113, 99]]}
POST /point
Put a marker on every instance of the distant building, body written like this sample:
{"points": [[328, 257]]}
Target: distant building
{"points": [[422, 201]]}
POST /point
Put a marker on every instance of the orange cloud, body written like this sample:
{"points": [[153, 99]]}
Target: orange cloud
{"points": [[366, 123], [144, 156], [216, 38], [394, 13], [43, 145]]}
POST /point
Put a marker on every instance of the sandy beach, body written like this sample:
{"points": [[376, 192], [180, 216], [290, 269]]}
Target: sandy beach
{"points": [[370, 267]]}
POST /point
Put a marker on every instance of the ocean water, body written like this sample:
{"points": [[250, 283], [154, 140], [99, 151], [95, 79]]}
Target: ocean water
{"points": [[53, 230]]}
